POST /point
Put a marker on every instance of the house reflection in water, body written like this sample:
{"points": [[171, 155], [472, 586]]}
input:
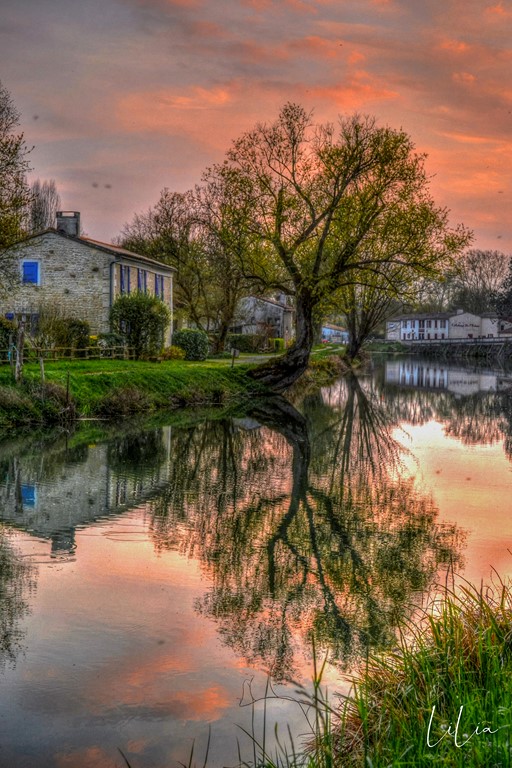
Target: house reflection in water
{"points": [[426, 374], [50, 491]]}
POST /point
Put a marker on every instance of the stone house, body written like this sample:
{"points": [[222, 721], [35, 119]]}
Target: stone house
{"points": [[436, 326], [273, 317], [81, 276]]}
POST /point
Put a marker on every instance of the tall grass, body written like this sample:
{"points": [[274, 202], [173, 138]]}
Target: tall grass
{"points": [[444, 696]]}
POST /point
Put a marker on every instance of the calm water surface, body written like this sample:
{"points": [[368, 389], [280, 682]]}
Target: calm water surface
{"points": [[152, 578]]}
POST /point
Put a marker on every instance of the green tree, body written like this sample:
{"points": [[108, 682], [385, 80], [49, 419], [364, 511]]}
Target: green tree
{"points": [[192, 232], [325, 207], [142, 319], [14, 191]]}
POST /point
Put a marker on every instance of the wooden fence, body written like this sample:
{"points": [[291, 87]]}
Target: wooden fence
{"points": [[35, 354]]}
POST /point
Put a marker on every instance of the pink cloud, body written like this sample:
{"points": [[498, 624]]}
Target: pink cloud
{"points": [[352, 95]]}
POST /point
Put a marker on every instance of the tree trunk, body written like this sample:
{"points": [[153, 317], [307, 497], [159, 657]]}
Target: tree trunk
{"points": [[220, 338], [280, 374]]}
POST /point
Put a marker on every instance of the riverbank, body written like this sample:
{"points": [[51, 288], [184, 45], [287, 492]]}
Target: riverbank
{"points": [[116, 388], [443, 697], [74, 389]]}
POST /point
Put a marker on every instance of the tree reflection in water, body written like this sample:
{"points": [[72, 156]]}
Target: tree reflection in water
{"points": [[17, 579], [305, 526]]}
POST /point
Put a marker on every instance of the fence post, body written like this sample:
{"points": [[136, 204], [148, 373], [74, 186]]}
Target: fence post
{"points": [[20, 343]]}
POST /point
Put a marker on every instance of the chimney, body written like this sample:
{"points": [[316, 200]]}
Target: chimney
{"points": [[68, 222]]}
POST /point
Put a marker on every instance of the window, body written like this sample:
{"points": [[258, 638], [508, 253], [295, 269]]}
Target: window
{"points": [[30, 273], [28, 495], [125, 278], [429, 324], [442, 323], [142, 280], [159, 286]]}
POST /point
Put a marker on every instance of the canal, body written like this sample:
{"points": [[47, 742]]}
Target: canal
{"points": [[157, 579]]}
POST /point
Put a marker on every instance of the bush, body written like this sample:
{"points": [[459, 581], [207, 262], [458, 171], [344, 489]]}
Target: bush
{"points": [[278, 344], [110, 340], [123, 402], [194, 343], [55, 329], [142, 319], [78, 333], [7, 332], [173, 353], [246, 342]]}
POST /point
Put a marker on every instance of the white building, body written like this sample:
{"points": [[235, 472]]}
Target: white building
{"points": [[436, 326]]}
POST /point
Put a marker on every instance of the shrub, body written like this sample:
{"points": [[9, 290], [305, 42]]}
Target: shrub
{"points": [[278, 344], [7, 332], [142, 319], [123, 402], [173, 353], [55, 329], [246, 342], [78, 333], [194, 343]]}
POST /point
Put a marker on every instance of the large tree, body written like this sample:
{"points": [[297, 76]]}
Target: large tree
{"points": [[14, 190], [325, 207]]}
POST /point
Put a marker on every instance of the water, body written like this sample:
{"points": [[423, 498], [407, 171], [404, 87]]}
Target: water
{"points": [[152, 578]]}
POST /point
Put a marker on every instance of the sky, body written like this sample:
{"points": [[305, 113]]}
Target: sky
{"points": [[121, 98]]}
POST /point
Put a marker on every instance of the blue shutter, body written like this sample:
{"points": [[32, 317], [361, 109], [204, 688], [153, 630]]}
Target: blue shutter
{"points": [[31, 272]]}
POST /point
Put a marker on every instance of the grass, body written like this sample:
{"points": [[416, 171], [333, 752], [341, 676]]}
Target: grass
{"points": [[117, 388], [443, 697]]}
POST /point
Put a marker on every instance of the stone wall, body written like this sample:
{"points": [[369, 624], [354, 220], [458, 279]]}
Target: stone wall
{"points": [[73, 277], [76, 278]]}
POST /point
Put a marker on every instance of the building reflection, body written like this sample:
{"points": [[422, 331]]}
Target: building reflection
{"points": [[51, 489], [431, 375]]}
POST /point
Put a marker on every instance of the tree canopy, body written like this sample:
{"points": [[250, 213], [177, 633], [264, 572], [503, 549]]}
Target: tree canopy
{"points": [[192, 232], [14, 190], [325, 207]]}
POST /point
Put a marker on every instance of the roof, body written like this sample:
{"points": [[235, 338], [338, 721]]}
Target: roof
{"points": [[435, 315], [274, 302], [333, 327], [114, 250], [422, 316]]}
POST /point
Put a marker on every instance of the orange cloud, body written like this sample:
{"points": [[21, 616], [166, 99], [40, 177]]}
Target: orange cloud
{"points": [[317, 46], [499, 11], [356, 57], [89, 757], [455, 46], [464, 78], [354, 94]]}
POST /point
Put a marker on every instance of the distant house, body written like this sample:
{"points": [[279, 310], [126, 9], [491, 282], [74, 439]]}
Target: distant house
{"points": [[273, 317], [334, 333], [435, 326], [81, 276]]}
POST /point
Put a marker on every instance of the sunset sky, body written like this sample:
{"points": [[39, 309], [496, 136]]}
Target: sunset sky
{"points": [[121, 98]]}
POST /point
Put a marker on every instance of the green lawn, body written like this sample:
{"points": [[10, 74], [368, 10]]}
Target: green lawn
{"points": [[118, 387]]}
